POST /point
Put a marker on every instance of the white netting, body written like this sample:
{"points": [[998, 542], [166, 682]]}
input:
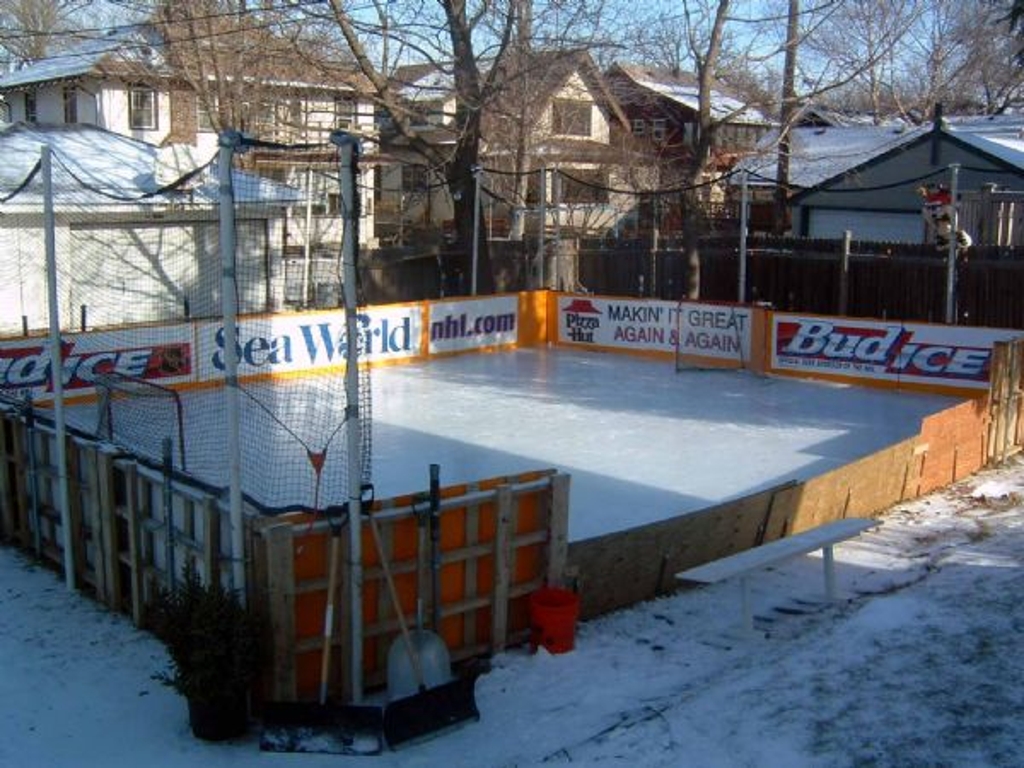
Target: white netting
{"points": [[139, 286]]}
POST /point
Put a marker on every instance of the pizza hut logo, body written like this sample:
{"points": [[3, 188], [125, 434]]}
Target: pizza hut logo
{"points": [[582, 319]]}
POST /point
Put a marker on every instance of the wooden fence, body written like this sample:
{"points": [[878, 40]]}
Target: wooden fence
{"points": [[500, 540], [1006, 403], [134, 528]]}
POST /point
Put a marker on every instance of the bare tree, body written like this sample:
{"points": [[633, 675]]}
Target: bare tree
{"points": [[30, 30]]}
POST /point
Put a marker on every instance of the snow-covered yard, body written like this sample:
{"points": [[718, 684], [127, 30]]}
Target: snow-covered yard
{"points": [[919, 665]]}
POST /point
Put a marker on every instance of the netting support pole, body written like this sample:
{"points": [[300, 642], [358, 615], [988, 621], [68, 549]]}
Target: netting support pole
{"points": [[348, 150], [954, 172], [477, 175], [57, 366], [744, 209], [229, 141]]}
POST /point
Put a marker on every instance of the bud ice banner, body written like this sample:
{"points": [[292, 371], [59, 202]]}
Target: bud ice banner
{"points": [[938, 356]]}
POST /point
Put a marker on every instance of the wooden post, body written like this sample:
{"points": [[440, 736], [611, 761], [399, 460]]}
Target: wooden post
{"points": [[558, 530], [76, 533], [135, 564], [9, 497], [469, 584], [280, 591], [504, 563], [106, 515], [211, 539]]}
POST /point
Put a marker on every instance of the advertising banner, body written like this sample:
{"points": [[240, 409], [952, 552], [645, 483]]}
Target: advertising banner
{"points": [[473, 324], [935, 355], [276, 344], [719, 331], [156, 353]]}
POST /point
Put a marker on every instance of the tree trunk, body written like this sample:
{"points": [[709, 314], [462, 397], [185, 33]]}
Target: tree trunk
{"points": [[693, 227]]}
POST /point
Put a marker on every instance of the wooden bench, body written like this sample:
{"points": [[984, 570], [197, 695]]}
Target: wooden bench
{"points": [[744, 564]]}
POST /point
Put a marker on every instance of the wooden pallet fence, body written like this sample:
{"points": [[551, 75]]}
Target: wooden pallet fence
{"points": [[500, 539], [1006, 425], [132, 530]]}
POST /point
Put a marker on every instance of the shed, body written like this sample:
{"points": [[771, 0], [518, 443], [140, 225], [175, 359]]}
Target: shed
{"points": [[131, 247], [866, 178]]}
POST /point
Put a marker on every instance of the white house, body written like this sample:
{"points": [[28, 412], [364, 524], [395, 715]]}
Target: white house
{"points": [[129, 249], [121, 82]]}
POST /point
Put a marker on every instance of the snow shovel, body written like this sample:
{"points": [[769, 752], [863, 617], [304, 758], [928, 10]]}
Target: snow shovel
{"points": [[433, 708], [323, 726]]}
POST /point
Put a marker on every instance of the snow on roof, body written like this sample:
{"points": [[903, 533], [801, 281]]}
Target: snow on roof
{"points": [[817, 154], [1009, 149], [683, 90], [820, 153], [99, 167], [130, 44]]}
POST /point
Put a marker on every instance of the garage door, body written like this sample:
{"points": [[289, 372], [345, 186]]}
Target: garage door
{"points": [[866, 225]]}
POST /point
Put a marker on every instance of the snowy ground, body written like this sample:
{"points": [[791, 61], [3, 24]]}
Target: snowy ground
{"points": [[641, 442], [919, 665]]}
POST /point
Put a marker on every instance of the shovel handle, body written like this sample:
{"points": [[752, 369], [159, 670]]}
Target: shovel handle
{"points": [[332, 578], [414, 656]]}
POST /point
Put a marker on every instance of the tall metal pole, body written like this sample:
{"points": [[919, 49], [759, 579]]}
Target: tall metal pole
{"points": [[541, 254], [229, 141], [57, 365], [307, 263], [348, 147], [954, 174], [844, 273], [744, 207], [556, 188], [477, 173]]}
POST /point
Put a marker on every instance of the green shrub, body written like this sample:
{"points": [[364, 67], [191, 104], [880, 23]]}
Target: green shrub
{"points": [[213, 641]]}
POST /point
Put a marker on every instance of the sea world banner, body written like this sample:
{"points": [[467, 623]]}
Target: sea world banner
{"points": [[277, 344], [699, 329], [938, 356]]}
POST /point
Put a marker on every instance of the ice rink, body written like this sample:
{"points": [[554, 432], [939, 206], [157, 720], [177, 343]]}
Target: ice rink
{"points": [[641, 442]]}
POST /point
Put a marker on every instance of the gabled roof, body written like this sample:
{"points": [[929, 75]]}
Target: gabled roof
{"points": [[682, 89], [132, 50], [138, 51], [543, 72], [98, 167], [818, 155]]}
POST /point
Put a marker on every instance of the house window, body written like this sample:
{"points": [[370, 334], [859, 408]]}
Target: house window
{"points": [[570, 118], [414, 178], [584, 187], [639, 126], [70, 105], [142, 108], [659, 127], [344, 112], [206, 108], [31, 108]]}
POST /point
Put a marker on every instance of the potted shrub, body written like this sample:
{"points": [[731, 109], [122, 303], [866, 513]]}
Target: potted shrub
{"points": [[214, 645]]}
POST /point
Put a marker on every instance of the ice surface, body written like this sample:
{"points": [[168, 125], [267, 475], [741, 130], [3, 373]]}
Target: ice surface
{"points": [[641, 442]]}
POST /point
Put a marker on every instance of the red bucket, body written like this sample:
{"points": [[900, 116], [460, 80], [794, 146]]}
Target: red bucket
{"points": [[553, 614]]}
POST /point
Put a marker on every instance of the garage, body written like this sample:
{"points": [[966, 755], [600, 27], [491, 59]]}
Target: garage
{"points": [[879, 226], [143, 272]]}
